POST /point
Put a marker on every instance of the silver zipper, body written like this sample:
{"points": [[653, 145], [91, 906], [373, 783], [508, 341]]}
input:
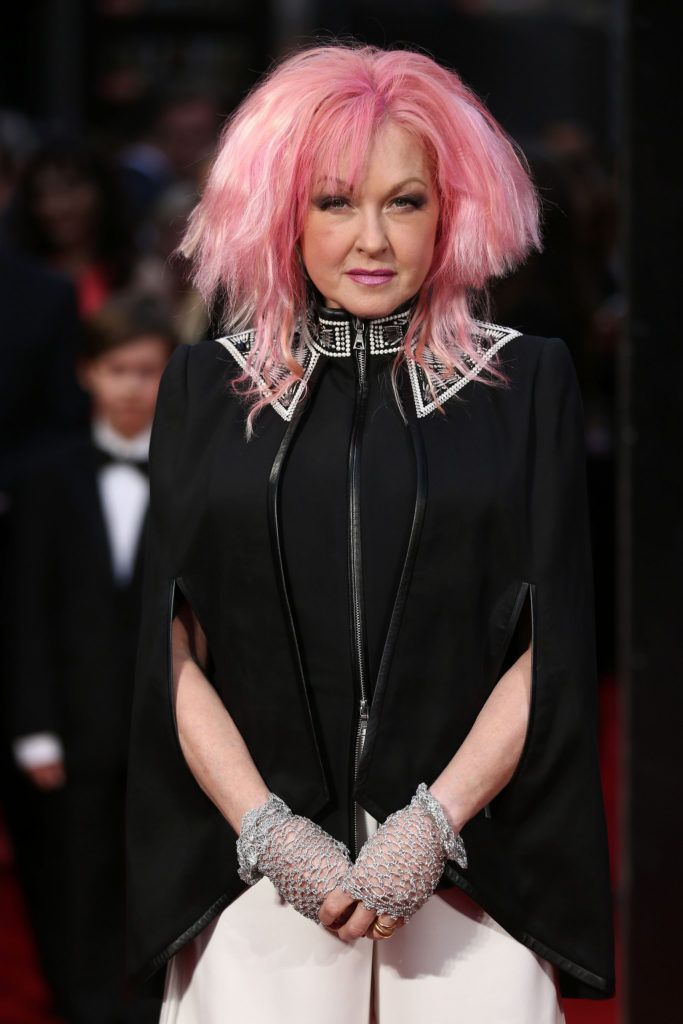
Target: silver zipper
{"points": [[361, 731], [360, 351]]}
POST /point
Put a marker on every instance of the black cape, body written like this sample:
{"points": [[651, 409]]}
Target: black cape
{"points": [[473, 523]]}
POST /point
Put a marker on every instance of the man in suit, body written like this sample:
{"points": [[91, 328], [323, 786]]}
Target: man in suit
{"points": [[39, 394], [40, 401], [76, 575]]}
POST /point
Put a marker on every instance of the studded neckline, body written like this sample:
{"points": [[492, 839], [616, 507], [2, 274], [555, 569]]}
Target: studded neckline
{"points": [[333, 332]]}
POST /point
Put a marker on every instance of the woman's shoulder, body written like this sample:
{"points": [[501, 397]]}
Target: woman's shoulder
{"points": [[518, 342], [543, 390], [198, 369], [529, 358], [530, 363], [525, 360], [209, 353]]}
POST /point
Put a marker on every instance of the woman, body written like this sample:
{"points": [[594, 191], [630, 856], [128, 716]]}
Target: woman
{"points": [[367, 649]]}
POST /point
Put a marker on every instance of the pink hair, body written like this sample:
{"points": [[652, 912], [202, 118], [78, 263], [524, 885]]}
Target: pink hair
{"points": [[309, 112]]}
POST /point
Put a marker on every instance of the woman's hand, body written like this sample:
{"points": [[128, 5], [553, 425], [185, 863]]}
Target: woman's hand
{"points": [[350, 920], [48, 776], [400, 865], [302, 860]]}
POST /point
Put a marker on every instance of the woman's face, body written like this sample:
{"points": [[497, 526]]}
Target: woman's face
{"points": [[370, 251]]}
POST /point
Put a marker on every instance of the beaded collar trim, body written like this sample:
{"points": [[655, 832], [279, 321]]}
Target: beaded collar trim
{"points": [[334, 333], [493, 337], [339, 340]]}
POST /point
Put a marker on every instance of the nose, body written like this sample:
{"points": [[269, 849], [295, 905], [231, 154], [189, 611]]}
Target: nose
{"points": [[371, 237]]}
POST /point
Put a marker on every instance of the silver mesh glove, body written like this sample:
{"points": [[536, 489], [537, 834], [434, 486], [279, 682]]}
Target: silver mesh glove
{"points": [[301, 859], [400, 865]]}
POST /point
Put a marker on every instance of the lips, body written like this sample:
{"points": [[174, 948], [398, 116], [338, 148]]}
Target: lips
{"points": [[371, 277]]}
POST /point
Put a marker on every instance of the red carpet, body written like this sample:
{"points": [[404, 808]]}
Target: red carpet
{"points": [[606, 1011], [24, 998]]}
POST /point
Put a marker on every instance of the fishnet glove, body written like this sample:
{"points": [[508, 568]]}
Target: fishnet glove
{"points": [[302, 860], [400, 865]]}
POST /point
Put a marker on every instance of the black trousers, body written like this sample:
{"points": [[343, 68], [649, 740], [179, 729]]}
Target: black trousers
{"points": [[70, 852]]}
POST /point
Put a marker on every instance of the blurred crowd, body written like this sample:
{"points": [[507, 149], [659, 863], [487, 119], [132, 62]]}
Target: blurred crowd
{"points": [[93, 299]]}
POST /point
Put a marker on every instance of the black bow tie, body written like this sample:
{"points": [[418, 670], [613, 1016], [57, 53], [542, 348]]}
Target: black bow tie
{"points": [[106, 458]]}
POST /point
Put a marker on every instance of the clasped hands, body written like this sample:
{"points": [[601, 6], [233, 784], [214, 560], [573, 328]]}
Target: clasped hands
{"points": [[395, 873]]}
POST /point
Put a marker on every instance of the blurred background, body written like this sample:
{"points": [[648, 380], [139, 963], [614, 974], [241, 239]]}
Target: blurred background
{"points": [[109, 114]]}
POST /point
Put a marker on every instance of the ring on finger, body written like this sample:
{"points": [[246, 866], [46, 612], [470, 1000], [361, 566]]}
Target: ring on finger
{"points": [[384, 931]]}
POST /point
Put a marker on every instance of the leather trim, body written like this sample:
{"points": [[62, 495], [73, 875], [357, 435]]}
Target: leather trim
{"points": [[379, 692], [174, 947], [279, 562], [576, 970], [170, 609], [499, 800]]}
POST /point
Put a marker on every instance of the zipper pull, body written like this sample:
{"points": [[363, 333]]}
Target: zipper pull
{"points": [[359, 342], [361, 733]]}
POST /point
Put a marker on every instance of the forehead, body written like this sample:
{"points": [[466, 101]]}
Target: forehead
{"points": [[393, 155]]}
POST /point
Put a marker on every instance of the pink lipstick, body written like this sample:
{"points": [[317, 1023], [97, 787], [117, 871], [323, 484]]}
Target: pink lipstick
{"points": [[371, 277]]}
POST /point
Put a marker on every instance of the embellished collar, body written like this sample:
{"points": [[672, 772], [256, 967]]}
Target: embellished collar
{"points": [[336, 332], [386, 335]]}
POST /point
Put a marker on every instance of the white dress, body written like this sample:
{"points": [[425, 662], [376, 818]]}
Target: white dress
{"points": [[261, 962]]}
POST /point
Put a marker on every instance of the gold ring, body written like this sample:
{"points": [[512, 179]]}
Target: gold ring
{"points": [[383, 930]]}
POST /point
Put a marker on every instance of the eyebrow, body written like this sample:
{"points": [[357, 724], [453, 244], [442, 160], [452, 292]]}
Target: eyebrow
{"points": [[394, 188]]}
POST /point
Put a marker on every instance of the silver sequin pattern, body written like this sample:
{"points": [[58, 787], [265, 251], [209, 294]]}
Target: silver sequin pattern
{"points": [[302, 860]]}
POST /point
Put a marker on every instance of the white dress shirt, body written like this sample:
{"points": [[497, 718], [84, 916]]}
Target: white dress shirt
{"points": [[124, 496]]}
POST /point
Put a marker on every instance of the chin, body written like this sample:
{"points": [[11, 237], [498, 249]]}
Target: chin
{"points": [[371, 305]]}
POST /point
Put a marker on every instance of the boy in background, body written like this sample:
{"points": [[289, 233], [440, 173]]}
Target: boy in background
{"points": [[77, 543]]}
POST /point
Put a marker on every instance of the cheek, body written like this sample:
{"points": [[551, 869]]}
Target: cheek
{"points": [[151, 389], [417, 249], [112, 387], [324, 247]]}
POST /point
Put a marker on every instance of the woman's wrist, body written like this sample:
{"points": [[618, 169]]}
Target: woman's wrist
{"points": [[451, 841], [252, 841], [454, 811], [248, 800]]}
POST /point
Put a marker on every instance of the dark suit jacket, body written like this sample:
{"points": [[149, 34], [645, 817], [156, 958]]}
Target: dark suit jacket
{"points": [[74, 630], [39, 395], [496, 492]]}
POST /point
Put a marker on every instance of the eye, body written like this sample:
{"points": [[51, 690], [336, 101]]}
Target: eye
{"points": [[331, 202], [409, 202]]}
